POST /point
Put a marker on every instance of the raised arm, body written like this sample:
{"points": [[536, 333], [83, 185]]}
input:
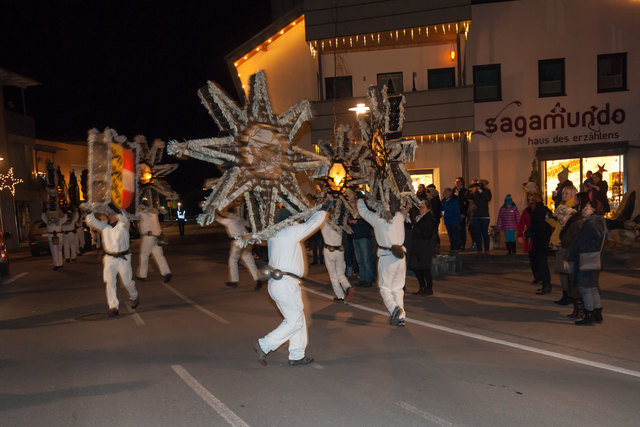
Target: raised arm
{"points": [[368, 215], [95, 223], [301, 231]]}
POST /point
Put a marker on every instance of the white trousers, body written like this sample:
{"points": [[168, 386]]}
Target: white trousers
{"points": [[69, 245], [112, 267], [288, 297], [334, 261], [235, 254], [391, 279], [56, 250], [149, 246]]}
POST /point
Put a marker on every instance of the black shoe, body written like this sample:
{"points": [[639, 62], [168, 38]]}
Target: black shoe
{"points": [[314, 263], [58, 267], [565, 300], [113, 312], [142, 279], [535, 281], [167, 277], [395, 314], [261, 355], [259, 284], [232, 284], [349, 294], [544, 290], [68, 260], [336, 299], [597, 315], [301, 362], [588, 319], [135, 303]]}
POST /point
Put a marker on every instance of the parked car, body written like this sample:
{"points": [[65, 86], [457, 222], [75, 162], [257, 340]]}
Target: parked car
{"points": [[38, 238]]}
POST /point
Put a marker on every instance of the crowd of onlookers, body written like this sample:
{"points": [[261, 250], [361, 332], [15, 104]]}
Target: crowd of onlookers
{"points": [[576, 227]]}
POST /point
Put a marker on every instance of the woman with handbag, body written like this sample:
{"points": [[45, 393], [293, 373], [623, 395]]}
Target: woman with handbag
{"points": [[420, 254], [585, 253]]}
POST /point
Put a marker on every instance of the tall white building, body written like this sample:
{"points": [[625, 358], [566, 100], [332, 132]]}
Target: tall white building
{"points": [[492, 87]]}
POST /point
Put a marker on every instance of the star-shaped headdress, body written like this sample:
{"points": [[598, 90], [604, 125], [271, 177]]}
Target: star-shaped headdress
{"points": [[259, 156], [389, 178], [152, 173], [349, 160]]}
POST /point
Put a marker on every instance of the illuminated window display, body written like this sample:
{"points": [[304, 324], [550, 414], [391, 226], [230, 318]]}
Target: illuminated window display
{"points": [[423, 176], [611, 167]]}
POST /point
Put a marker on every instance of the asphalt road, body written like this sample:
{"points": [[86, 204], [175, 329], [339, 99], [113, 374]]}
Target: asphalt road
{"points": [[483, 351]]}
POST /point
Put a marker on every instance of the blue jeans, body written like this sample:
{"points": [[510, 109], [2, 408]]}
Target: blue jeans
{"points": [[454, 237], [362, 249], [481, 226]]}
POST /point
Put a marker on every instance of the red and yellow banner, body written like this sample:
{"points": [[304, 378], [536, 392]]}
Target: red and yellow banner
{"points": [[123, 184]]}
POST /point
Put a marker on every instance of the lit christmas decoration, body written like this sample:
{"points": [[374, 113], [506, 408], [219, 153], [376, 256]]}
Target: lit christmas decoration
{"points": [[9, 182]]}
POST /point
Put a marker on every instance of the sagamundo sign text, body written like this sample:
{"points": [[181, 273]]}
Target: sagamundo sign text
{"points": [[588, 121]]}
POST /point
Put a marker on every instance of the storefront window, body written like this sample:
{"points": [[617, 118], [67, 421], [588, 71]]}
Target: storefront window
{"points": [[611, 167], [424, 176]]}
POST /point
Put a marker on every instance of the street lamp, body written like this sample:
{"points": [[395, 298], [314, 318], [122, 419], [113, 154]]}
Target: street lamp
{"points": [[360, 109]]}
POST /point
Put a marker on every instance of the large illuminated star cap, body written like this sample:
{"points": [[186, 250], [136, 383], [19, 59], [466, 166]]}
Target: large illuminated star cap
{"points": [[349, 159], [152, 173], [259, 156], [389, 178]]}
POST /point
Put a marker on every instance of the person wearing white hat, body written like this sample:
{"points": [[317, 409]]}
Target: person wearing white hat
{"points": [[150, 231], [54, 229]]}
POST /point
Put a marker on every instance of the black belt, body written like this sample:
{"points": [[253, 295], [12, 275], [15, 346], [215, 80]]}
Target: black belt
{"points": [[334, 248], [118, 254], [396, 250]]}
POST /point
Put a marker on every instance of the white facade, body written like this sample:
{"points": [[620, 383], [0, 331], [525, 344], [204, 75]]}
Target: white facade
{"points": [[517, 35]]}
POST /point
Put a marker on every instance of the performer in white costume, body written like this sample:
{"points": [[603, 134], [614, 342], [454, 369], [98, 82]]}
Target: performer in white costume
{"points": [[54, 228], [70, 239], [391, 269], [236, 226], [286, 255], [150, 232], [117, 258], [334, 261]]}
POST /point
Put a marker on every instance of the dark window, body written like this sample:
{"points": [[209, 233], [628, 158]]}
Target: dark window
{"points": [[486, 83], [441, 77], [612, 72], [551, 77], [338, 87], [393, 81]]}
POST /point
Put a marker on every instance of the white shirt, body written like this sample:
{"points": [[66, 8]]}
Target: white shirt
{"points": [[114, 239], [285, 250], [149, 222], [387, 234], [70, 224], [330, 235], [235, 225], [53, 225]]}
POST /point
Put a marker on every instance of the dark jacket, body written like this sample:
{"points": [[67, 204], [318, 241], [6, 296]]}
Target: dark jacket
{"points": [[421, 243], [540, 231], [480, 202], [589, 238], [462, 199], [601, 195], [361, 229]]}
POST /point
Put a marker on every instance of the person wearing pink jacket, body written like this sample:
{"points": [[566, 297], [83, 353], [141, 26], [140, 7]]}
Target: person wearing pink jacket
{"points": [[508, 218]]}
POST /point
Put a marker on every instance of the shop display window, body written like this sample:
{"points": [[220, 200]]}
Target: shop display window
{"points": [[424, 176], [611, 167]]}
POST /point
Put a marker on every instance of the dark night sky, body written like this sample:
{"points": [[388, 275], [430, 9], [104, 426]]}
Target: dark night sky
{"points": [[132, 65]]}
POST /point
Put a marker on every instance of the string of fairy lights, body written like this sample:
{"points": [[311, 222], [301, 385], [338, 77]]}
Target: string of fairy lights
{"points": [[8, 182]]}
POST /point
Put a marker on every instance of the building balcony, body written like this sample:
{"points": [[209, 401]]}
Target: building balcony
{"points": [[427, 112], [19, 124]]}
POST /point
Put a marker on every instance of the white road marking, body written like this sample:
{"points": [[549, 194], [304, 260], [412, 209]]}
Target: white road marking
{"points": [[426, 415], [211, 400], [197, 306], [14, 278], [561, 356], [136, 317]]}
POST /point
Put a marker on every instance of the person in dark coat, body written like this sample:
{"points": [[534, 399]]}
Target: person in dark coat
{"points": [[460, 192], [598, 192], [540, 233], [590, 239], [480, 195], [420, 254]]}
